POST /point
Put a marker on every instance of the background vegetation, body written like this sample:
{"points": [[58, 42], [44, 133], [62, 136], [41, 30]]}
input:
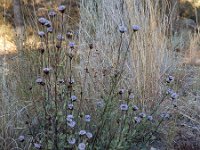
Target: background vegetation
{"points": [[104, 67]]}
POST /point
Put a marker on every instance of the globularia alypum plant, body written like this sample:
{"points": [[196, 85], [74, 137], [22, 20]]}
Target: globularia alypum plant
{"points": [[61, 117]]}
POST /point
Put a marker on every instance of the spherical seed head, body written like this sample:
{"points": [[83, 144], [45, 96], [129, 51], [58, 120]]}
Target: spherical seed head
{"points": [[42, 20], [73, 98], [48, 23], [71, 45], [82, 132], [124, 107], [70, 106], [46, 70], [61, 8], [21, 138], [41, 33], [142, 115], [150, 118], [40, 81], [121, 91], [81, 146], [60, 37], [174, 96], [70, 118], [170, 79], [169, 91], [71, 124], [87, 118], [131, 96], [135, 108], [137, 119], [52, 13], [69, 35], [37, 146], [49, 29], [71, 141], [122, 29], [89, 135], [135, 28], [165, 116]]}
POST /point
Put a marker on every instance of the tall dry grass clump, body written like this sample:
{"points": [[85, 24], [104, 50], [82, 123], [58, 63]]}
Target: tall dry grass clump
{"points": [[150, 55]]}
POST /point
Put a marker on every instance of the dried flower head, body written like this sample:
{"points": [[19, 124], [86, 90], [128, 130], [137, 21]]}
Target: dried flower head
{"points": [[89, 135], [37, 146], [165, 115], [41, 34], [48, 23], [135, 108], [46, 70], [170, 79], [137, 119], [71, 81], [121, 91], [124, 107], [150, 118], [174, 96], [87, 118], [70, 118], [21, 138], [122, 29], [60, 37], [71, 124], [42, 20], [81, 146], [100, 104], [71, 45], [70, 106], [49, 29], [61, 8], [40, 81], [71, 141], [91, 46], [131, 96], [169, 91], [61, 81], [135, 28], [73, 98], [142, 115], [69, 34], [52, 13], [58, 45], [82, 132]]}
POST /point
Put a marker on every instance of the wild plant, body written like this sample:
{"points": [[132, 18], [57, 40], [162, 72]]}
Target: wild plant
{"points": [[86, 108]]}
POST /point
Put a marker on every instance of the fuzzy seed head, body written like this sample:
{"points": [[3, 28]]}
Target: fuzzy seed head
{"points": [[87, 118], [122, 29], [135, 28], [82, 132], [124, 107], [71, 141], [81, 146], [21, 138], [61, 8]]}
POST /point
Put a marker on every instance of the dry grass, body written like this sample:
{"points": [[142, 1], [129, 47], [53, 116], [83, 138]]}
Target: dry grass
{"points": [[7, 34], [150, 53], [150, 58]]}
